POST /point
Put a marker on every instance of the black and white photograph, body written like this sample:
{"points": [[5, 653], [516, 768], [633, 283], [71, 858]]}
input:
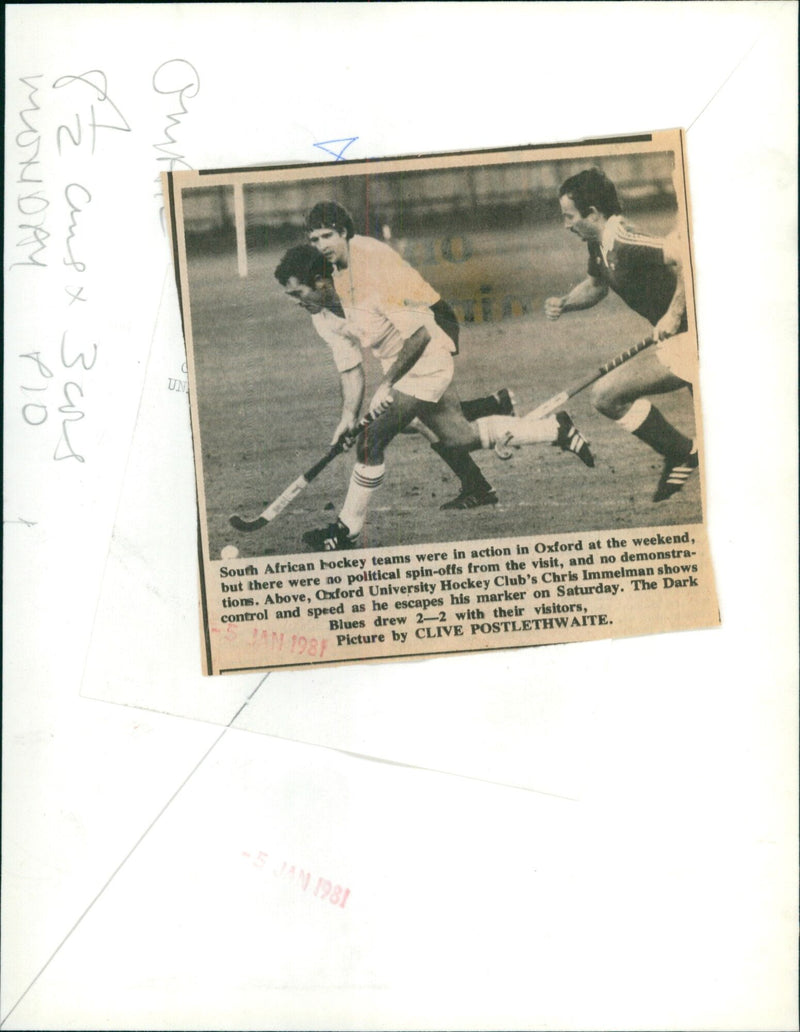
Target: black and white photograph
{"points": [[482, 347], [428, 304]]}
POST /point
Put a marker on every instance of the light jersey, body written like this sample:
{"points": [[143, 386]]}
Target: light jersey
{"points": [[386, 301], [345, 345], [635, 266]]}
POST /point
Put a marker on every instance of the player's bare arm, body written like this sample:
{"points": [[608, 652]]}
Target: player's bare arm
{"points": [[352, 385], [585, 294], [409, 355], [670, 322]]}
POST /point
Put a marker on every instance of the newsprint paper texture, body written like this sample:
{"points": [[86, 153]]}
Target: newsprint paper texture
{"points": [[501, 278]]}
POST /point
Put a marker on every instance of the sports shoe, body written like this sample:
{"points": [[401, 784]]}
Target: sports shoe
{"points": [[675, 474], [333, 538], [471, 499], [571, 439], [506, 402]]}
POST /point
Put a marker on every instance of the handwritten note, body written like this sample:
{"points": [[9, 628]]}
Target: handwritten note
{"points": [[43, 389], [89, 132], [73, 136], [178, 80], [336, 148]]}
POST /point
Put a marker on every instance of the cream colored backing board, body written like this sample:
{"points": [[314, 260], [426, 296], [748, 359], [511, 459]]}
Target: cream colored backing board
{"points": [[600, 835]]}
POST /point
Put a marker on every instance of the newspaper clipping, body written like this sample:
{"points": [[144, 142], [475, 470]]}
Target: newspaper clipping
{"points": [[443, 403]]}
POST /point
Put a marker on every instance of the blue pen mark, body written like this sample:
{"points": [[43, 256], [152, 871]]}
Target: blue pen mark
{"points": [[326, 146]]}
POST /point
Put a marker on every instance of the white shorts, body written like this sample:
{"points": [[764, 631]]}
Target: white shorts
{"points": [[430, 377], [679, 355]]}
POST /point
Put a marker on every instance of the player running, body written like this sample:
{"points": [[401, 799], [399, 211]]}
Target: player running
{"points": [[306, 276], [646, 273], [393, 312]]}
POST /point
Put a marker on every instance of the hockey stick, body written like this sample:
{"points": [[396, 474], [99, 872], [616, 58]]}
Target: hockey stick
{"points": [[547, 408], [302, 482]]}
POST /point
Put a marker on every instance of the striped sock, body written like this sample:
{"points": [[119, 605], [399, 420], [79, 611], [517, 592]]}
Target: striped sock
{"points": [[363, 481], [645, 421]]}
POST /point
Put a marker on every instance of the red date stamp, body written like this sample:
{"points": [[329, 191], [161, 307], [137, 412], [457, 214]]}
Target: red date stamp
{"points": [[278, 641], [324, 889]]}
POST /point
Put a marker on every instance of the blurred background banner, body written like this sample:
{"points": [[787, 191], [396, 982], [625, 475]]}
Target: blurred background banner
{"points": [[408, 202]]}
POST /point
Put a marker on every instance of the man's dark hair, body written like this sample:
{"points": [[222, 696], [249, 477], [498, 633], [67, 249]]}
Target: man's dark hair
{"points": [[330, 215], [591, 188], [305, 263]]}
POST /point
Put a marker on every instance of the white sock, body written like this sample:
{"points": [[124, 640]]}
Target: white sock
{"points": [[363, 481], [635, 416], [524, 431], [536, 431]]}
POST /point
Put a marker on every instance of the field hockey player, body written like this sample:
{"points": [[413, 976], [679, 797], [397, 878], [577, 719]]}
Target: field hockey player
{"points": [[306, 277], [389, 306], [645, 272]]}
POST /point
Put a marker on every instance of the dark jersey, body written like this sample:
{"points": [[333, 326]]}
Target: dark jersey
{"points": [[635, 269]]}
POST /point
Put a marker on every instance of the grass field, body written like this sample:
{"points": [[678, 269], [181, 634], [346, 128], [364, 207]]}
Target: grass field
{"points": [[268, 399]]}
